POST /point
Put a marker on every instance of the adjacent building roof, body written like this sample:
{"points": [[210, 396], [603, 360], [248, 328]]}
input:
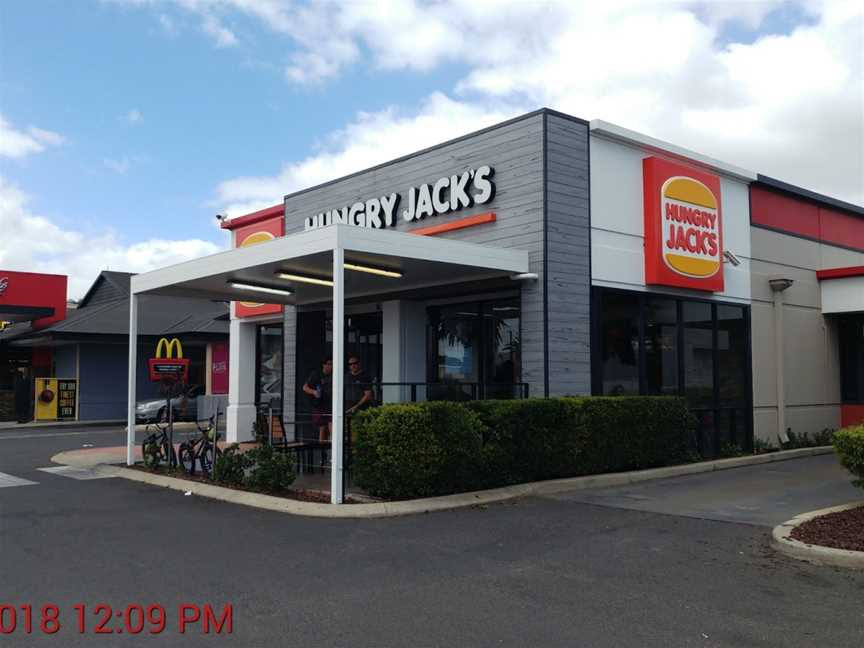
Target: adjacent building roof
{"points": [[104, 310]]}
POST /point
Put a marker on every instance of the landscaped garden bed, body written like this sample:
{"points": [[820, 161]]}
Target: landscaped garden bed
{"points": [[840, 530]]}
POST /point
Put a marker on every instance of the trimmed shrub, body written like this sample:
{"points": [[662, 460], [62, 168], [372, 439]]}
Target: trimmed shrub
{"points": [[230, 466], [849, 445], [271, 471], [636, 432], [424, 449], [418, 450], [530, 440]]}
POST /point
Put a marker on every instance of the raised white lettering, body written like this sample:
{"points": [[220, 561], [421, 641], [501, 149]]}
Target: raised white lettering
{"points": [[483, 182], [424, 202], [410, 212], [441, 206], [373, 208], [389, 203], [459, 196]]}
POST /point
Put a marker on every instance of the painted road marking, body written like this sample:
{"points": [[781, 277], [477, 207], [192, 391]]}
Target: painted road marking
{"points": [[73, 472], [7, 481]]}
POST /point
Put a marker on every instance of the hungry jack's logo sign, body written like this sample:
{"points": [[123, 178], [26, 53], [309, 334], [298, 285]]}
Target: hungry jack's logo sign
{"points": [[683, 226]]}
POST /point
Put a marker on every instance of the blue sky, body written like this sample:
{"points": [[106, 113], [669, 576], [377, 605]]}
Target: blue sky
{"points": [[128, 124]]}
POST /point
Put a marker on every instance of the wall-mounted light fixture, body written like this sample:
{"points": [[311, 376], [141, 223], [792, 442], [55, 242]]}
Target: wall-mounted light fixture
{"points": [[731, 258], [304, 279], [779, 285], [375, 271], [263, 289]]}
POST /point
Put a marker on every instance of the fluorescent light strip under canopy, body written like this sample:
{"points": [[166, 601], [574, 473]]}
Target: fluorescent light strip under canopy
{"points": [[304, 279], [263, 289], [370, 270]]}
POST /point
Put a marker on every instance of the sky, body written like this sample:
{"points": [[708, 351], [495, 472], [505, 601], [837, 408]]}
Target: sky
{"points": [[127, 125]]}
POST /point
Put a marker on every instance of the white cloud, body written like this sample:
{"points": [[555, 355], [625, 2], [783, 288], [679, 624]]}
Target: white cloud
{"points": [[371, 139], [32, 242], [222, 36], [788, 105], [120, 166], [16, 143], [134, 116]]}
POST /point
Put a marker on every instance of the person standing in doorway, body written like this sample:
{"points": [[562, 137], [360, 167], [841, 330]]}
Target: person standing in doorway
{"points": [[319, 388], [358, 387]]}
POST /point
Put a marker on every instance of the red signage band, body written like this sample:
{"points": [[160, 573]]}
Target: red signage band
{"points": [[683, 226]]}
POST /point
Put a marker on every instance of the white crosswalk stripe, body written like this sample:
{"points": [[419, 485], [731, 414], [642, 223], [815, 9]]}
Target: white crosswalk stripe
{"points": [[7, 481], [73, 472]]}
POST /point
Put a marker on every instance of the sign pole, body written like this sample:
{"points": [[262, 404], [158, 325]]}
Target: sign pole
{"points": [[133, 374]]}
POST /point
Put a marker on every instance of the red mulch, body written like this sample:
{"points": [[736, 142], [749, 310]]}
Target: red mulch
{"points": [[300, 494], [841, 530]]}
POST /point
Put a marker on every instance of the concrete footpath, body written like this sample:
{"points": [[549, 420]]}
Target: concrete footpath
{"points": [[106, 460]]}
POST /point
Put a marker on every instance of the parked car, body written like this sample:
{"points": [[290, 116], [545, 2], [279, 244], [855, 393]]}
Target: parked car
{"points": [[184, 406]]}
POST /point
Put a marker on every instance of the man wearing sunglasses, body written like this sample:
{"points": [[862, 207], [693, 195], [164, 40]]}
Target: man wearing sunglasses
{"points": [[358, 387]]}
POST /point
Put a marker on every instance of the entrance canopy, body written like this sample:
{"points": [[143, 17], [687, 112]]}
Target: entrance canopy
{"points": [[322, 265], [299, 267]]}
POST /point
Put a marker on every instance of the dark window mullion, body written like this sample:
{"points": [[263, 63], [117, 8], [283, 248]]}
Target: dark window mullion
{"points": [[679, 312], [715, 357]]}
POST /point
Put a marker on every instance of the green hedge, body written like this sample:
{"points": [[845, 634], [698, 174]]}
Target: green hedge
{"points": [[404, 451], [849, 445], [423, 449]]}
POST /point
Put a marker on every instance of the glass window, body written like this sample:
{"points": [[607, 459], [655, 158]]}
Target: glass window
{"points": [[852, 359], [620, 343], [476, 343], [455, 341], [687, 345], [661, 346], [269, 365], [698, 353], [502, 351], [732, 354]]}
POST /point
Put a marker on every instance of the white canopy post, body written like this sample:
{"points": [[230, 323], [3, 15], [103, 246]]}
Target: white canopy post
{"points": [[338, 390], [133, 374]]}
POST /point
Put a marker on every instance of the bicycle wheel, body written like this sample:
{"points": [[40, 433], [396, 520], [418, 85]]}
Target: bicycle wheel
{"points": [[205, 458], [186, 456]]}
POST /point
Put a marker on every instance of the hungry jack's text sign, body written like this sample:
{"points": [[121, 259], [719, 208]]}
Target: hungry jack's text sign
{"points": [[683, 226], [445, 195]]}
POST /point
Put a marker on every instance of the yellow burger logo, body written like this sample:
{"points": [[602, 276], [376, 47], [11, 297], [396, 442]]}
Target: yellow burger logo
{"points": [[252, 239], [690, 227]]}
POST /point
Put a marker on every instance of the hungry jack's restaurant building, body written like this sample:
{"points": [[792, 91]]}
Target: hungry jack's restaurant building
{"points": [[549, 256]]}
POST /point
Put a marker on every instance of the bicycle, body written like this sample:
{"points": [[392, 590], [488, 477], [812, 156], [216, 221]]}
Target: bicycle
{"points": [[156, 449], [200, 451]]}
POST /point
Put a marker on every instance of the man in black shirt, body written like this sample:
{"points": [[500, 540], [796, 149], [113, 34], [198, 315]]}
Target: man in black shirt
{"points": [[318, 387], [358, 387]]}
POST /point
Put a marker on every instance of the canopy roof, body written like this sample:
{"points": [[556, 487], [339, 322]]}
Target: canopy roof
{"points": [[420, 260]]}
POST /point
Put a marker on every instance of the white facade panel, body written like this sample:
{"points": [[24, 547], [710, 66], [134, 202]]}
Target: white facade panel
{"points": [[617, 222], [844, 295]]}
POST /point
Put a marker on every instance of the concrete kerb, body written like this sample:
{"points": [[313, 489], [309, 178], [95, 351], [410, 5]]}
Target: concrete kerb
{"points": [[783, 542], [99, 462]]}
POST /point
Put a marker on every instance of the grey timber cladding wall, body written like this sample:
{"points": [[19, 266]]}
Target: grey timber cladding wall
{"points": [[568, 261], [514, 150]]}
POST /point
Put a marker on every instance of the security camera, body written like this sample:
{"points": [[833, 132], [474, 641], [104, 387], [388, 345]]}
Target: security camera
{"points": [[731, 258], [221, 217]]}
